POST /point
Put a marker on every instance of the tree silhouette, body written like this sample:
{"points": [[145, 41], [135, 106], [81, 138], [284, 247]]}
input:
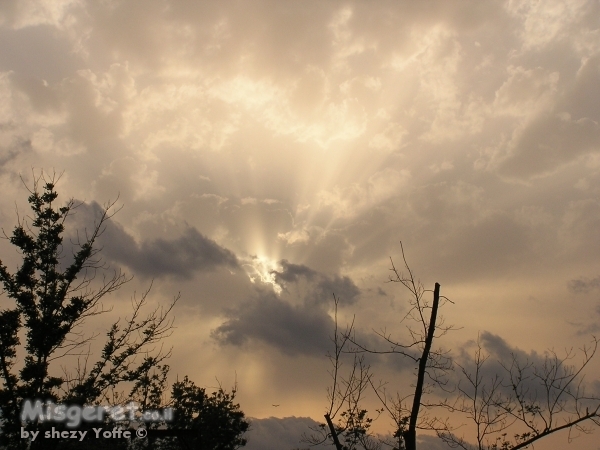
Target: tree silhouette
{"points": [[212, 422], [352, 428], [49, 302], [512, 407], [523, 402], [423, 325], [50, 306]]}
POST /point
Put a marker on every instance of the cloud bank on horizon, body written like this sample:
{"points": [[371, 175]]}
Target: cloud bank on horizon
{"points": [[270, 153]]}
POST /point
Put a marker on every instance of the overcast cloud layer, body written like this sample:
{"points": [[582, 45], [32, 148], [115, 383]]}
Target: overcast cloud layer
{"points": [[268, 154]]}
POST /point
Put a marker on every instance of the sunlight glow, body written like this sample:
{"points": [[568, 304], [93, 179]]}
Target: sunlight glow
{"points": [[261, 268]]}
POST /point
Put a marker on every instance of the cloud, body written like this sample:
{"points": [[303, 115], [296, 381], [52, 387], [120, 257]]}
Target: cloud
{"points": [[182, 256], [526, 91], [589, 330], [500, 349], [535, 367], [322, 286], [499, 355], [583, 285], [549, 142], [355, 199], [330, 249], [279, 433], [291, 329], [296, 321], [560, 133], [431, 443], [286, 433], [488, 245], [578, 230], [37, 53]]}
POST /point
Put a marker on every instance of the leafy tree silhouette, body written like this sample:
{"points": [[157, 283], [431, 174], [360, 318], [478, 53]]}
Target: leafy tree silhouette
{"points": [[48, 306], [212, 422]]}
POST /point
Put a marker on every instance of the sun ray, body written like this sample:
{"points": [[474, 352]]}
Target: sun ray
{"points": [[261, 268]]}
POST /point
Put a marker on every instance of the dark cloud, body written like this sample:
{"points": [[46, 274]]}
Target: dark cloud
{"points": [[541, 378], [322, 286], [498, 353], [500, 349], [502, 356], [589, 330], [183, 256], [291, 272], [292, 329], [583, 285], [296, 321]]}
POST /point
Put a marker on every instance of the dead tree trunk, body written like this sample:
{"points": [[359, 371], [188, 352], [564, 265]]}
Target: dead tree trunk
{"points": [[410, 435], [334, 435]]}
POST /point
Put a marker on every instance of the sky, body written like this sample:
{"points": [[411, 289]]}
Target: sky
{"points": [[267, 154]]}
